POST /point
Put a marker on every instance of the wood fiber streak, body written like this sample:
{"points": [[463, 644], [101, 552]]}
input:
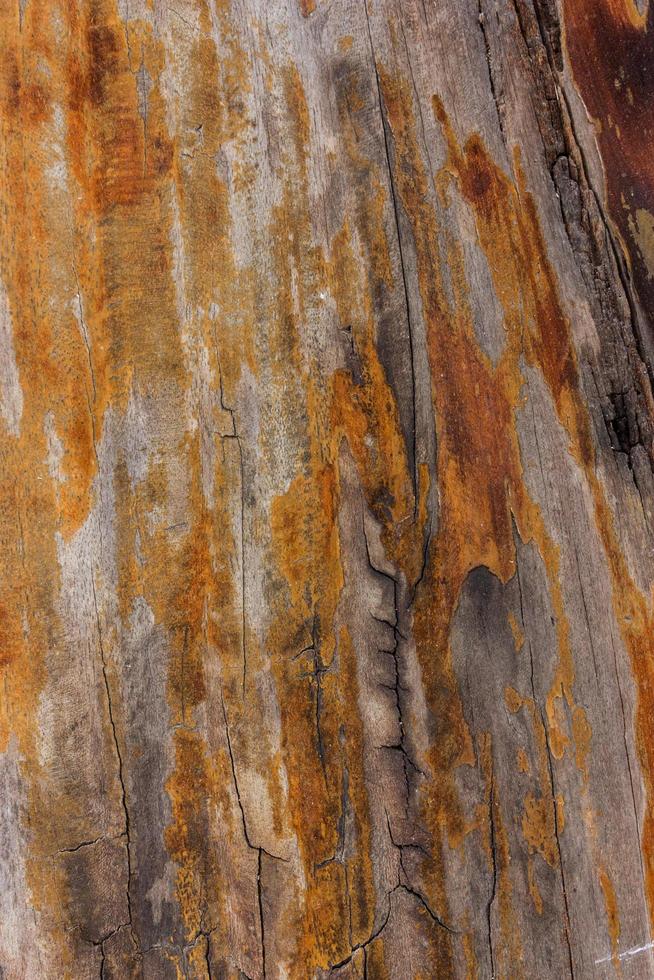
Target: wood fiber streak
{"points": [[326, 558]]}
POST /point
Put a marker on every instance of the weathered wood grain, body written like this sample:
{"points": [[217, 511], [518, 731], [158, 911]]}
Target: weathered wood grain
{"points": [[326, 614]]}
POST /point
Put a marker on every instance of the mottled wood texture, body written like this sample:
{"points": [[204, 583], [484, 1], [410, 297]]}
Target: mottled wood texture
{"points": [[326, 495]]}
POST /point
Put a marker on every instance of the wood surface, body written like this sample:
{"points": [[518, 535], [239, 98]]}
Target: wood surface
{"points": [[326, 489]]}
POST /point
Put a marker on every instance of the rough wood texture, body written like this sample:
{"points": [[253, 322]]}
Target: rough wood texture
{"points": [[326, 519]]}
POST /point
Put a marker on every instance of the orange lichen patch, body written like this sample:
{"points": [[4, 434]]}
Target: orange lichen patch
{"points": [[296, 102], [534, 891], [359, 863], [188, 583], [365, 409], [305, 532], [68, 80], [472, 965], [305, 541], [498, 855], [481, 487], [305, 537], [306, 549], [610, 45], [213, 117], [124, 160], [375, 959], [322, 738], [518, 635], [612, 916], [191, 788], [582, 734], [513, 700], [50, 347], [608, 891], [510, 955], [544, 815], [600, 52], [33, 505], [538, 828], [364, 405], [307, 7]]}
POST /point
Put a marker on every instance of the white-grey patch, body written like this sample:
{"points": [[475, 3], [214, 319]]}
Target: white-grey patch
{"points": [[141, 620], [57, 166], [22, 7], [135, 435], [78, 311], [144, 87], [73, 727], [142, 668], [176, 511], [161, 890], [55, 448], [634, 951], [21, 950], [179, 265], [138, 552], [11, 393]]}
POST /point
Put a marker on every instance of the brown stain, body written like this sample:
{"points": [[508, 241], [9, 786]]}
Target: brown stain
{"points": [[118, 270], [495, 839], [534, 891], [510, 952], [127, 175], [582, 735], [192, 581], [516, 632], [610, 45], [375, 960], [538, 828], [53, 374], [543, 814], [481, 487], [304, 523], [306, 548], [550, 349], [190, 590], [470, 957], [613, 918]]}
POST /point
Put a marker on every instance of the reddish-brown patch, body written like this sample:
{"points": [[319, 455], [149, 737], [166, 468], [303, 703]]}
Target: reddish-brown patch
{"points": [[611, 50]]}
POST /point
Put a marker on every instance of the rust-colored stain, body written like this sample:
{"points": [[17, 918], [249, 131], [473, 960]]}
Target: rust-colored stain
{"points": [[611, 49], [204, 447], [611, 904]]}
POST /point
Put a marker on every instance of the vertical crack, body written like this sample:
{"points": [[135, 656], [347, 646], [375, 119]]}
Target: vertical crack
{"points": [[248, 840], [261, 919], [234, 435], [396, 215], [497, 100], [493, 848], [121, 777]]}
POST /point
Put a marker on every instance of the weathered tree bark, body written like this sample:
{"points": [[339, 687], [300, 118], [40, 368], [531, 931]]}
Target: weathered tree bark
{"points": [[326, 616]]}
